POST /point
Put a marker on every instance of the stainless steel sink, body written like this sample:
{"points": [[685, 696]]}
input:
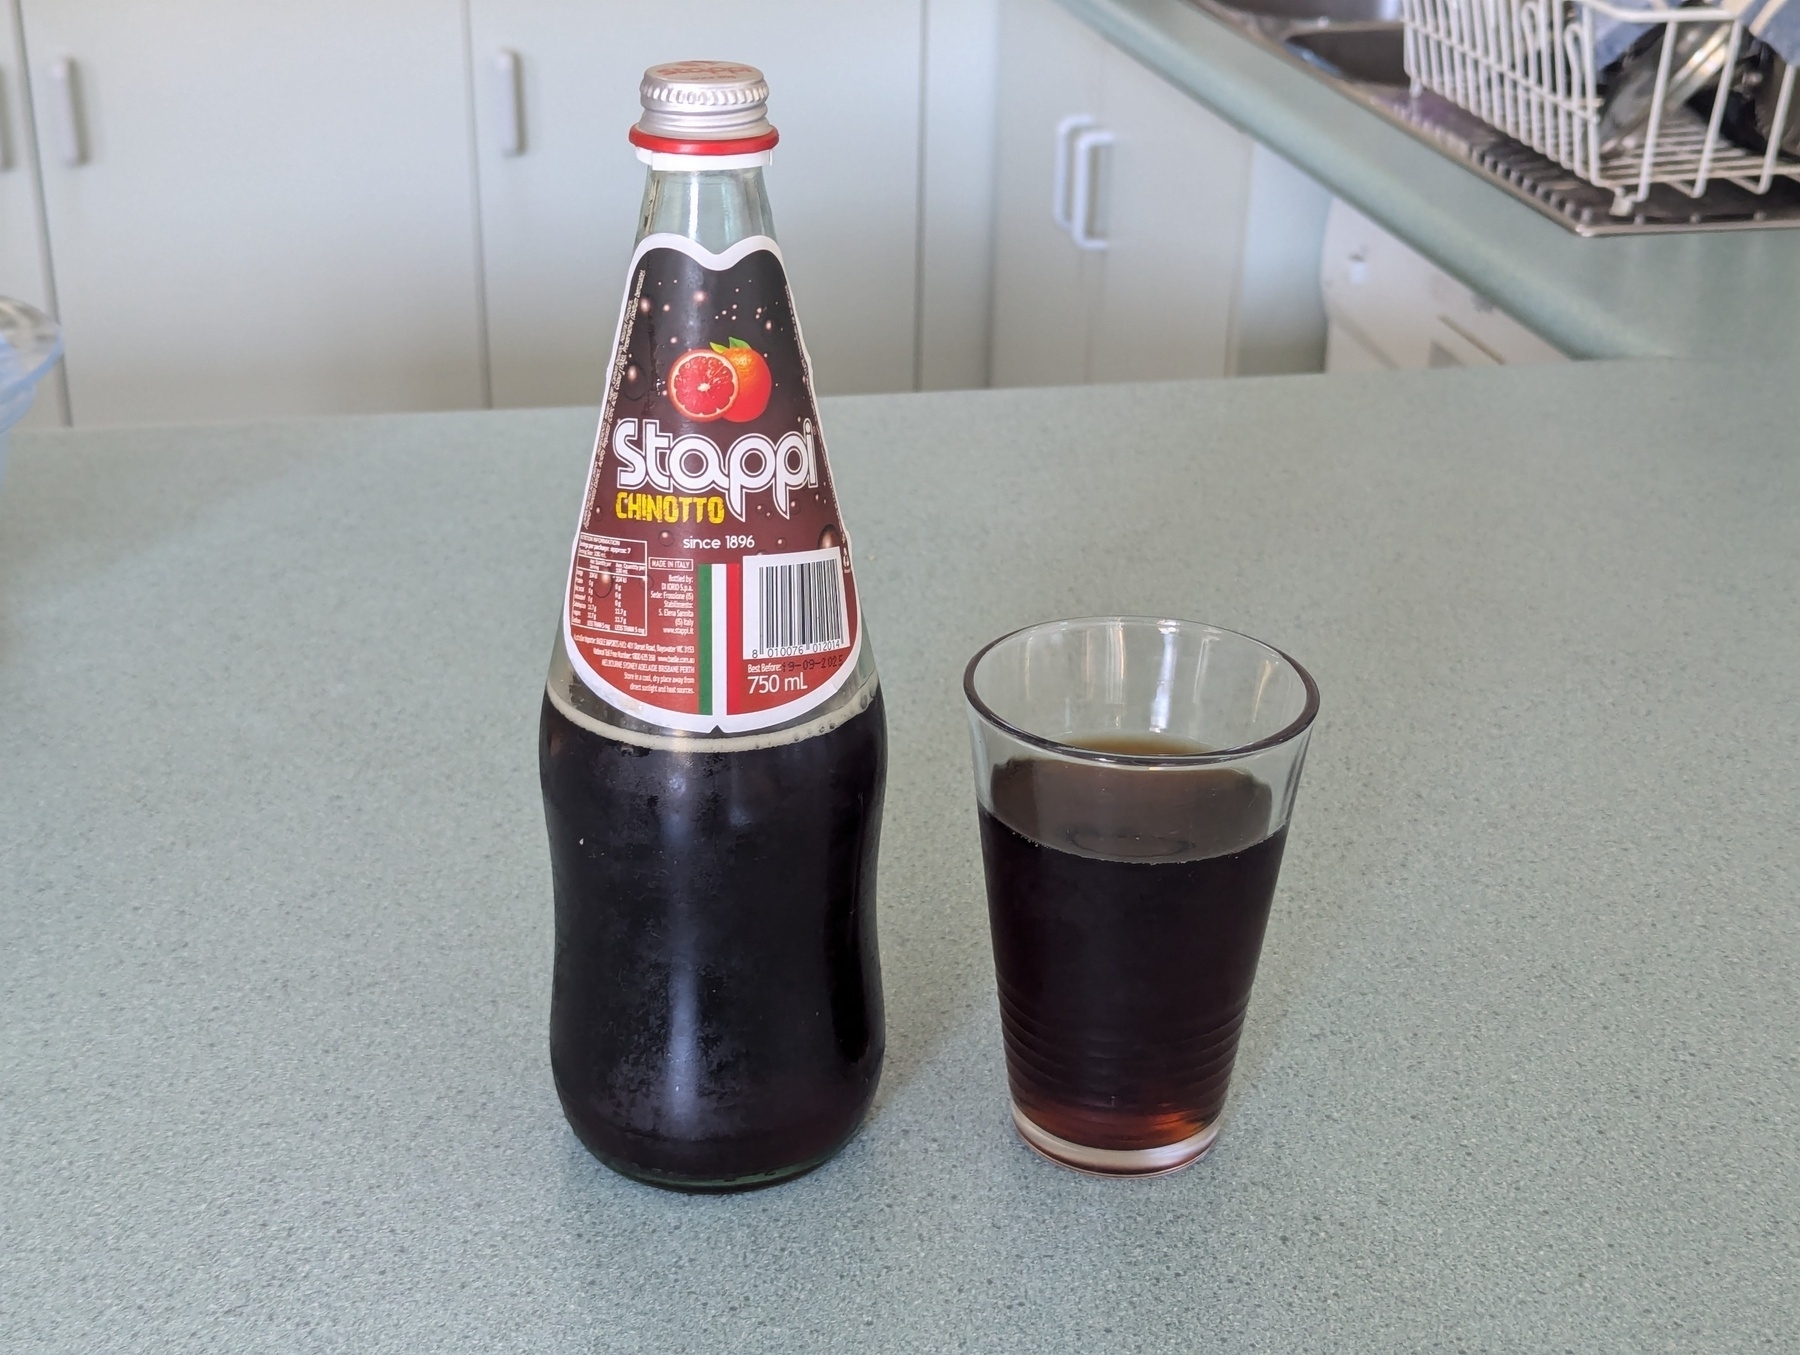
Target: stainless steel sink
{"points": [[1357, 47], [1364, 54], [1320, 11]]}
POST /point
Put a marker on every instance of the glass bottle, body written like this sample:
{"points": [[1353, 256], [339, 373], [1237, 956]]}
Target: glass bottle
{"points": [[712, 743]]}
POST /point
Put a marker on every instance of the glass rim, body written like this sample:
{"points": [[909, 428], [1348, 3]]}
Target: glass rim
{"points": [[1292, 730]]}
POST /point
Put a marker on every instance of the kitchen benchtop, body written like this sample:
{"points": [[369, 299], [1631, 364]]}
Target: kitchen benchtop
{"points": [[1729, 296], [1520, 1071]]}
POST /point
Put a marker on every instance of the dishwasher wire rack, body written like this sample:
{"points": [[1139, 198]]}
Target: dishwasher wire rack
{"points": [[1527, 68]]}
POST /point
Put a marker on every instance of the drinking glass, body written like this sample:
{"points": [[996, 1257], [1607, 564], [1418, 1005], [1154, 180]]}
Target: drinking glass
{"points": [[1135, 778]]}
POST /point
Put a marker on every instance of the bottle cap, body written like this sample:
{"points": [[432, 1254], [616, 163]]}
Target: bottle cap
{"points": [[704, 108]]}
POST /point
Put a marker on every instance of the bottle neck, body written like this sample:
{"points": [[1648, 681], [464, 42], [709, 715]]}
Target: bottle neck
{"points": [[715, 208]]}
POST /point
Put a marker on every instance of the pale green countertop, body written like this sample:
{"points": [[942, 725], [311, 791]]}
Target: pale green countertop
{"points": [[1731, 296], [1520, 1070]]}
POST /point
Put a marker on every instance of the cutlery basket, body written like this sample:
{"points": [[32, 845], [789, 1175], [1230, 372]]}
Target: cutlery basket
{"points": [[1528, 67]]}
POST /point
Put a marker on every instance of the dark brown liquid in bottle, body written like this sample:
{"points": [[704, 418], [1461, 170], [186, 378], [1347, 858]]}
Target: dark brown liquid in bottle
{"points": [[1128, 909], [716, 1014]]}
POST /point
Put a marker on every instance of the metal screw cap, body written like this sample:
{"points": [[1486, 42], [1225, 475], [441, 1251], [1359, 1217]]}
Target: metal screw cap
{"points": [[704, 101]]}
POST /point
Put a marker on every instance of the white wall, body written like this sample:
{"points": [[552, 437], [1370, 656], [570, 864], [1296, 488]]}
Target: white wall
{"points": [[1281, 314]]}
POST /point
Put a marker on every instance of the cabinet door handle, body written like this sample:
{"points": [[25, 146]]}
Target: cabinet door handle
{"points": [[1088, 146], [1060, 200], [65, 112], [509, 103]]}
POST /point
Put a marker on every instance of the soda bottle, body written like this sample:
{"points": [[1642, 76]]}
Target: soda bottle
{"points": [[712, 744]]}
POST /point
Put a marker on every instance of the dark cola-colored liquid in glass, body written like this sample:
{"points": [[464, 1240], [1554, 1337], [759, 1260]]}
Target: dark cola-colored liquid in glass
{"points": [[1128, 913], [716, 1014]]}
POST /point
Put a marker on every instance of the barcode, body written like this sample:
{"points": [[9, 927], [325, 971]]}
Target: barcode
{"points": [[794, 604]]}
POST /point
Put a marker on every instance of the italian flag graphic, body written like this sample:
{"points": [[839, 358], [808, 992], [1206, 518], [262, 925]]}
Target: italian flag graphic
{"points": [[720, 627]]}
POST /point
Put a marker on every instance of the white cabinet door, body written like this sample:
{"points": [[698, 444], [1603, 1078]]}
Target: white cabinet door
{"points": [[558, 218], [1052, 79], [1174, 211], [259, 209], [24, 261], [1119, 214]]}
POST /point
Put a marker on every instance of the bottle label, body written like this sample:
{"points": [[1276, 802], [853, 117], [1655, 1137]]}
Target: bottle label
{"points": [[710, 585]]}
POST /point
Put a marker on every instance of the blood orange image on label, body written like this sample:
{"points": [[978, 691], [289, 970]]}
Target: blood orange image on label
{"points": [[702, 385], [710, 585]]}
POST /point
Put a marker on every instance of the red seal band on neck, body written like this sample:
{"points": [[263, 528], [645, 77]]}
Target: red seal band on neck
{"points": [[663, 145]]}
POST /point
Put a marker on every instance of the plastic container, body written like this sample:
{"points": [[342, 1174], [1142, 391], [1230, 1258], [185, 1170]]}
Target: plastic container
{"points": [[30, 344]]}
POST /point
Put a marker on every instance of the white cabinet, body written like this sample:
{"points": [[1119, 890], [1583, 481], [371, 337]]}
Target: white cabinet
{"points": [[24, 258], [1169, 202], [1390, 308], [259, 209], [558, 216], [1137, 235]]}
